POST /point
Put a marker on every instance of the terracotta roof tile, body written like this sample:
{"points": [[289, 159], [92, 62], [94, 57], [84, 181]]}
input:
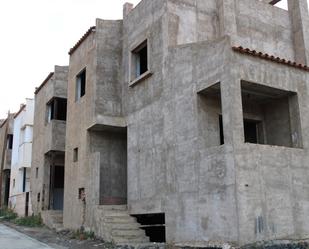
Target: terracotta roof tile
{"points": [[89, 31], [37, 89], [266, 56]]}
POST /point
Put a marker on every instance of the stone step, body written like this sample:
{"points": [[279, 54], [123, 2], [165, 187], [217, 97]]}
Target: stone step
{"points": [[110, 213], [123, 240], [128, 233], [119, 219], [113, 207], [57, 219], [123, 226]]}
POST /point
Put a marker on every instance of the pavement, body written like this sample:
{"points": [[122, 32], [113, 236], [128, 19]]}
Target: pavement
{"points": [[12, 239]]}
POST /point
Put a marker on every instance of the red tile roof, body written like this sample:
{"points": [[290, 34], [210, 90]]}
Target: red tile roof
{"points": [[89, 31], [37, 89], [268, 57]]}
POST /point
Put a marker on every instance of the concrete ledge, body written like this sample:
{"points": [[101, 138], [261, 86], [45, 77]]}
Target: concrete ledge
{"points": [[108, 123], [142, 77]]}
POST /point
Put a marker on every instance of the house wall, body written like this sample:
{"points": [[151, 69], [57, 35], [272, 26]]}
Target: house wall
{"points": [[47, 137], [21, 157]]}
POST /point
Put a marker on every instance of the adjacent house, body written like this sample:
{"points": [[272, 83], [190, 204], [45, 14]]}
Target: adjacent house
{"points": [[19, 198], [48, 149], [6, 145]]}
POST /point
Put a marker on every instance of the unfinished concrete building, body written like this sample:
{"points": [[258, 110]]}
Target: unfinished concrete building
{"points": [[187, 122], [6, 145], [49, 128], [19, 199]]}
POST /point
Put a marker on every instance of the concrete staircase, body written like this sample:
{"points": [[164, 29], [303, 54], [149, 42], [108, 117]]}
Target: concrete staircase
{"points": [[116, 224], [53, 219]]}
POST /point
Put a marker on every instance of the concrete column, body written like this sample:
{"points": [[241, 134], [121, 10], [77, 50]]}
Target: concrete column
{"points": [[227, 18], [298, 10], [232, 109]]}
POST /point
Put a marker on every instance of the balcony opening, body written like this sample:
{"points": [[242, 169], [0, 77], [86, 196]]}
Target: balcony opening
{"points": [[57, 109], [139, 62], [80, 89], [271, 116], [9, 141], [154, 226], [210, 118]]}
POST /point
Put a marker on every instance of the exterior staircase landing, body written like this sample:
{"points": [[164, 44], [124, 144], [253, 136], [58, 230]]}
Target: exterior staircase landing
{"points": [[116, 225], [53, 219]]}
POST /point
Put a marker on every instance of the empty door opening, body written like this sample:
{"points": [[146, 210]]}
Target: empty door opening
{"points": [[56, 187]]}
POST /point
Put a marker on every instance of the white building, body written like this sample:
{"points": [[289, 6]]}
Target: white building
{"points": [[19, 199]]}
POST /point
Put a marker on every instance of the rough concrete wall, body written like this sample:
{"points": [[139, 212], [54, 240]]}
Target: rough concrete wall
{"points": [[192, 21], [151, 15], [46, 136], [277, 123], [169, 168], [264, 27], [80, 115], [109, 49], [209, 109], [272, 181]]}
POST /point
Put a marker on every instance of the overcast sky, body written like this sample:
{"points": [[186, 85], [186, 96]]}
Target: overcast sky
{"points": [[36, 35]]}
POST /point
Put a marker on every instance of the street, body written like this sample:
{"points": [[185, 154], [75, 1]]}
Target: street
{"points": [[11, 239]]}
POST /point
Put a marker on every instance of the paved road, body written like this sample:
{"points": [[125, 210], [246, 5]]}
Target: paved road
{"points": [[11, 239]]}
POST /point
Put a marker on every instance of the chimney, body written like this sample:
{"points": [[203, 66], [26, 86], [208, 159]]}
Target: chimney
{"points": [[127, 7]]}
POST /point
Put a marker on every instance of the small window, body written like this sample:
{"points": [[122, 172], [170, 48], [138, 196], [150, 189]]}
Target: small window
{"points": [[80, 84], [36, 173], [81, 194], [57, 109], [9, 141], [38, 197], [13, 183], [75, 155], [139, 61], [221, 130]]}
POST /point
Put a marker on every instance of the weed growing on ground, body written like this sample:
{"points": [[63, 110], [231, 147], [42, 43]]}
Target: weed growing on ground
{"points": [[30, 221], [80, 234], [7, 214]]}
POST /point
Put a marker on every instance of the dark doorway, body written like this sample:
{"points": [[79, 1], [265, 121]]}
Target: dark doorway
{"points": [[7, 188], [27, 205], [56, 187], [251, 131]]}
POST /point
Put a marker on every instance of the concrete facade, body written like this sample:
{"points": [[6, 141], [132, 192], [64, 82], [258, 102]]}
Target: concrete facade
{"points": [[6, 144], [156, 143], [49, 129], [19, 199]]}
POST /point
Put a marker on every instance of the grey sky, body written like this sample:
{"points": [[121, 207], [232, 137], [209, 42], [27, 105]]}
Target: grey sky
{"points": [[36, 35]]}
